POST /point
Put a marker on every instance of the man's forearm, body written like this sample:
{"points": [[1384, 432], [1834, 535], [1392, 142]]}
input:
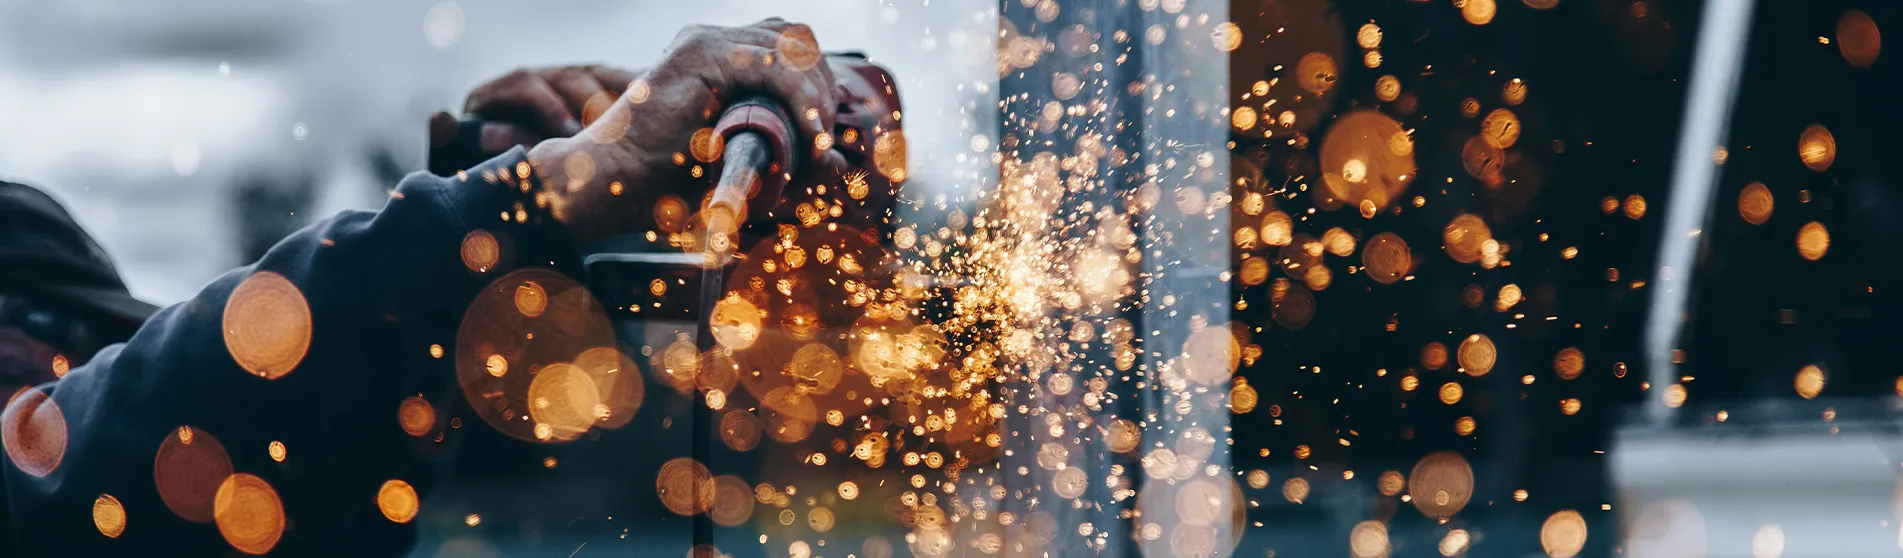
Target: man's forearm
{"points": [[379, 290]]}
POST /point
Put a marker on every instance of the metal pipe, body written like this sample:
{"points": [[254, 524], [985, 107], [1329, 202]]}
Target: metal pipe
{"points": [[1715, 70]]}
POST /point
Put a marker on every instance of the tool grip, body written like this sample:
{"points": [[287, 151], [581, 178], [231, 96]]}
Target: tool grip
{"points": [[759, 155]]}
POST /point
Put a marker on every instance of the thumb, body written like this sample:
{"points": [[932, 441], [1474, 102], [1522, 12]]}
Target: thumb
{"points": [[498, 137], [831, 164]]}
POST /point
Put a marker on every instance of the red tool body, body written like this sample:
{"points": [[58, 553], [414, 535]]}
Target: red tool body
{"points": [[761, 153]]}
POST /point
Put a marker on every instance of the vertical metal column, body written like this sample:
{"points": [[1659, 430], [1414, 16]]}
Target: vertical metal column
{"points": [[1716, 66]]}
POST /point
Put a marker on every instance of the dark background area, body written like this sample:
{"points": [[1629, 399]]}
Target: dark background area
{"points": [[1607, 93]]}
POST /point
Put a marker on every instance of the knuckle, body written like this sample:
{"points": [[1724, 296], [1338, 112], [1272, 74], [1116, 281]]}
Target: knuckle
{"points": [[801, 32], [571, 77], [687, 36], [514, 84], [702, 42]]}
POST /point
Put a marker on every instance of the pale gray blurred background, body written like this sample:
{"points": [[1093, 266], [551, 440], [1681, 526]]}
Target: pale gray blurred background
{"points": [[145, 117]]}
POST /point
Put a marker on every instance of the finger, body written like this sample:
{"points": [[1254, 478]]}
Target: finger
{"points": [[583, 93], [755, 36], [803, 94], [773, 24], [794, 41], [831, 97], [800, 50], [575, 84], [831, 165], [497, 137], [614, 79], [796, 49], [526, 98]]}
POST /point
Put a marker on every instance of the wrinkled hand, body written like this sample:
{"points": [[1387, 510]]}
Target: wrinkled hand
{"points": [[641, 140], [527, 106]]}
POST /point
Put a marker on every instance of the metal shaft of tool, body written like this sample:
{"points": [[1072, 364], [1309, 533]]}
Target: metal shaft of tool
{"points": [[747, 156]]}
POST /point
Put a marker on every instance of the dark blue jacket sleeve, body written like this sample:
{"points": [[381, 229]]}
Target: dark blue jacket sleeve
{"points": [[381, 289]]}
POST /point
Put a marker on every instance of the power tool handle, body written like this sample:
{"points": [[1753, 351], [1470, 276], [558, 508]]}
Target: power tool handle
{"points": [[764, 116]]}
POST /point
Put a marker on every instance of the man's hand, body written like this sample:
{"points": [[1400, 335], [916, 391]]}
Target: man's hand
{"points": [[527, 106], [641, 140]]}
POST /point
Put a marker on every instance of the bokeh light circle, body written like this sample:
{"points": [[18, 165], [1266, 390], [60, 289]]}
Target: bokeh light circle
{"points": [[1391, 483], [1564, 534], [1817, 148], [1466, 238], [416, 416], [1476, 355], [1317, 73], [1386, 258], [740, 430], [1813, 241], [733, 501], [685, 486], [1358, 163], [1441, 484], [1501, 128], [1755, 203], [1368, 539], [1809, 381], [109, 516], [1569, 362], [524, 324], [33, 431], [565, 399], [249, 514], [267, 325], [735, 322], [1858, 39], [480, 251], [397, 500], [190, 467], [619, 386]]}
